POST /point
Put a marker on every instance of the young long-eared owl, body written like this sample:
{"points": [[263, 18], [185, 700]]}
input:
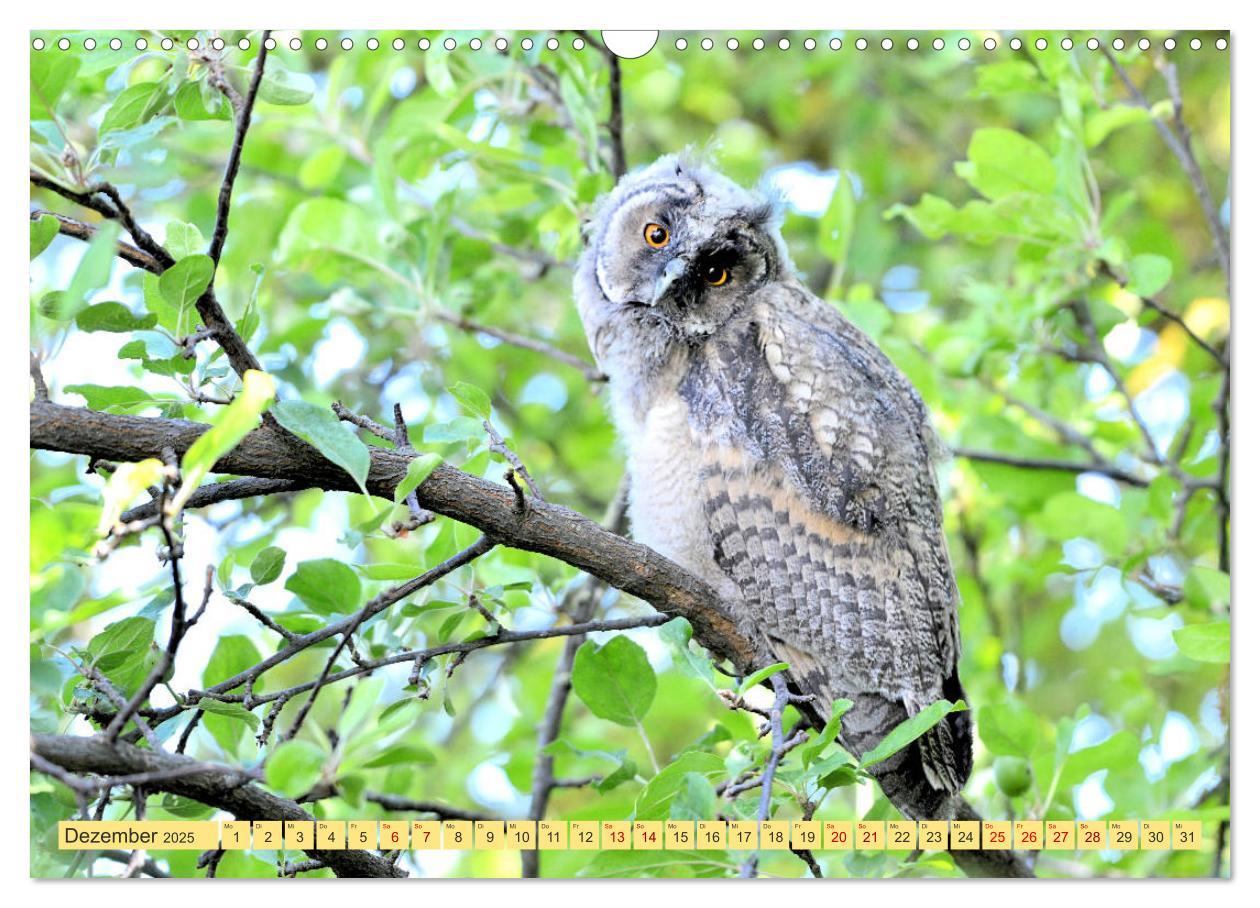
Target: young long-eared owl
{"points": [[775, 451]]}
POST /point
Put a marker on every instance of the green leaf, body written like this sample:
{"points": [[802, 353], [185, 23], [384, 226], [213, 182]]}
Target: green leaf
{"points": [[294, 767], [695, 799], [229, 425], [625, 772], [1069, 515], [91, 275], [402, 755], [819, 741], [51, 71], [326, 586], [1119, 752], [910, 730], [112, 399], [1007, 729], [1149, 274], [320, 168], [183, 240], [121, 650], [1206, 587], [677, 633], [283, 86], [183, 283], [132, 107], [761, 675], [418, 470], [267, 565], [43, 229], [1103, 123], [472, 399], [321, 429], [659, 793], [113, 317], [835, 228], [185, 808], [233, 712], [1204, 642], [1003, 162], [615, 681]]}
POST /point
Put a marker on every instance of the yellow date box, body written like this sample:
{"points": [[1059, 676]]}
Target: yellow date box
{"points": [[520, 835], [299, 834], [1156, 835], [488, 835], [330, 835], [711, 834], [902, 835], [1091, 835], [584, 835], [774, 835], [742, 835], [806, 835], [837, 835], [1060, 835], [616, 835], [995, 835], [649, 835], [933, 835], [869, 835], [457, 835], [1122, 835], [268, 835], [680, 835], [234, 835], [1187, 835], [1030, 835], [964, 835]]}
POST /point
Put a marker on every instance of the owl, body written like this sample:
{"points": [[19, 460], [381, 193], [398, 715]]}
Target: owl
{"points": [[776, 452]]}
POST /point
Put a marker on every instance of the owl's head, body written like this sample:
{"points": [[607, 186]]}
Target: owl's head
{"points": [[673, 253]]}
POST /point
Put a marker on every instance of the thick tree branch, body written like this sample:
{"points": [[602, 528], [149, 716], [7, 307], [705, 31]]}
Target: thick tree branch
{"points": [[217, 786], [546, 528]]}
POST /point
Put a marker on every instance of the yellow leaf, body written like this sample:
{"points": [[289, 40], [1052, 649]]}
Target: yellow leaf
{"points": [[127, 482]]}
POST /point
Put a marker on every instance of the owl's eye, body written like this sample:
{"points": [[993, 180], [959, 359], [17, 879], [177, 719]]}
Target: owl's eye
{"points": [[656, 235], [716, 275]]}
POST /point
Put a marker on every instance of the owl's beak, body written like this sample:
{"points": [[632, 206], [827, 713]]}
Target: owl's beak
{"points": [[675, 268]]}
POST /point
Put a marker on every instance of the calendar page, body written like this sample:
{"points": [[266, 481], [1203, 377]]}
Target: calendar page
{"points": [[589, 454]]}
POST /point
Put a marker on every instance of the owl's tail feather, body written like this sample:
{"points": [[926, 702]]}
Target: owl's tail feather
{"points": [[914, 789]]}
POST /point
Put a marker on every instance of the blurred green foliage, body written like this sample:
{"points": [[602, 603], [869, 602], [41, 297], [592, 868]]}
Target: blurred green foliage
{"points": [[980, 213]]}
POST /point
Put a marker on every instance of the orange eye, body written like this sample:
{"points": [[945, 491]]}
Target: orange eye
{"points": [[716, 276], [656, 235]]}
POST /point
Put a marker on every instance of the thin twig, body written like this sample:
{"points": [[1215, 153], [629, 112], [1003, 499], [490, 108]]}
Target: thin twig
{"points": [[81, 230], [243, 116], [1043, 463], [467, 556], [1179, 143]]}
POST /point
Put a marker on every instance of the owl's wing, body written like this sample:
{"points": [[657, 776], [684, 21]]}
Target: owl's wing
{"points": [[822, 505]]}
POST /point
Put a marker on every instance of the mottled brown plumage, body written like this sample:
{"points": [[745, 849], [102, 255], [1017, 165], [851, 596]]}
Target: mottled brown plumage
{"points": [[777, 452]]}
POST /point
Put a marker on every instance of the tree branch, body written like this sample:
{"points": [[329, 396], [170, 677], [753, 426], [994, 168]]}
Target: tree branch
{"points": [[1179, 144], [81, 230], [243, 116], [212, 784], [548, 529], [1043, 463]]}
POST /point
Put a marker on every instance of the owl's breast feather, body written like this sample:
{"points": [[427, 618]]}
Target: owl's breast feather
{"points": [[666, 498]]}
